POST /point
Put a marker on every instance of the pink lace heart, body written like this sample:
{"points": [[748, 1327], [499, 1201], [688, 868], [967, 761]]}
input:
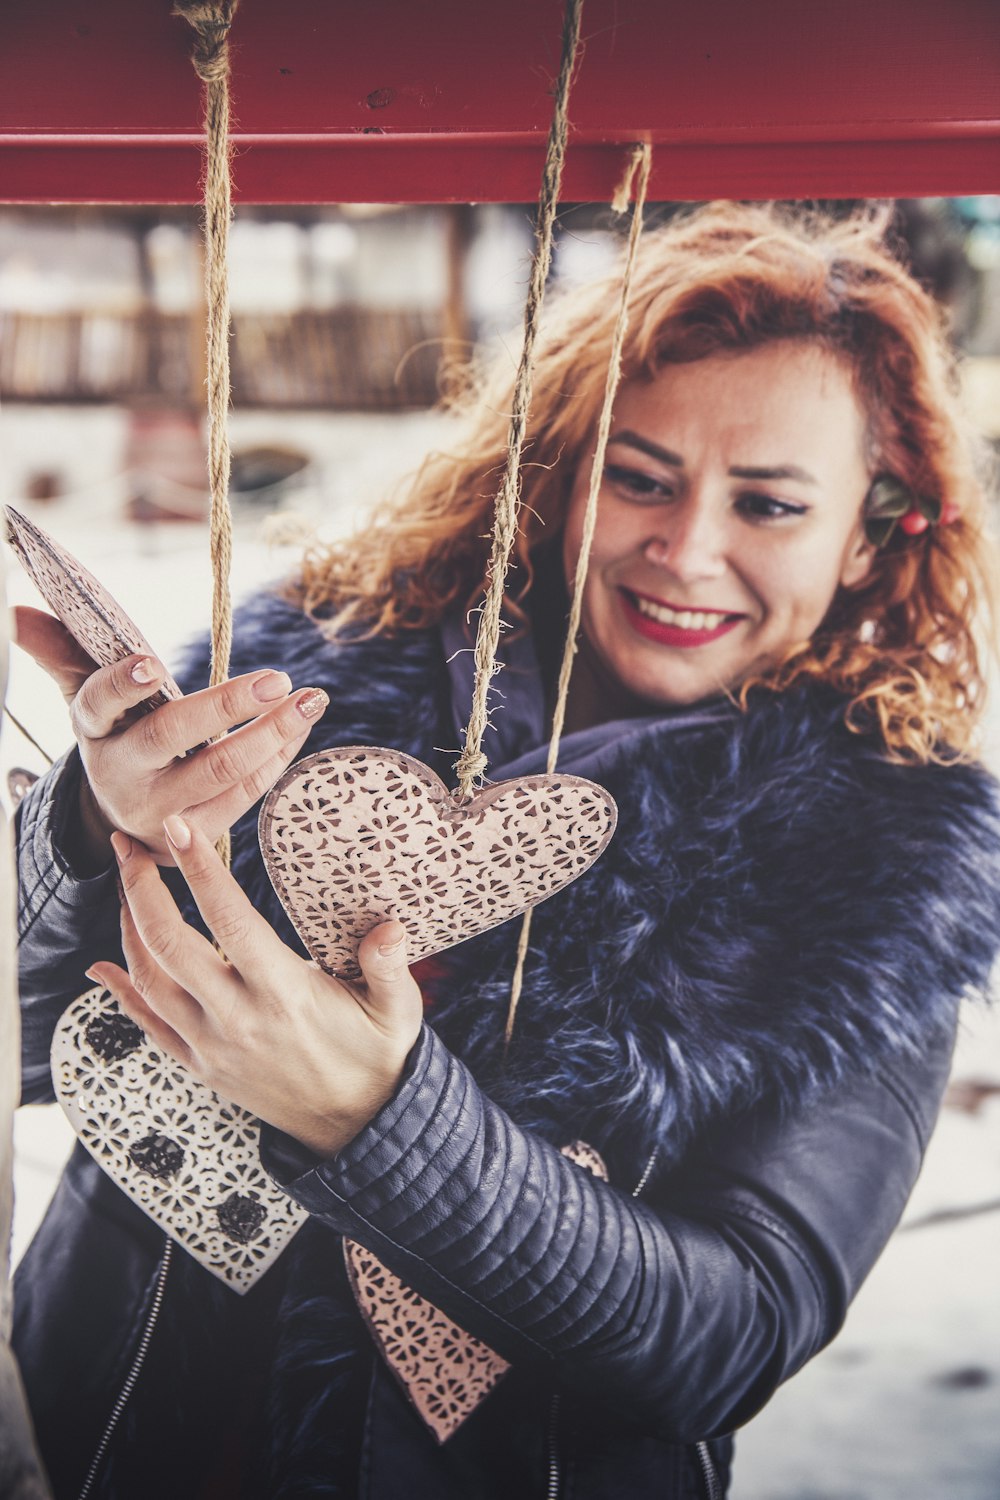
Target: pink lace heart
{"points": [[354, 836], [93, 618], [444, 1371]]}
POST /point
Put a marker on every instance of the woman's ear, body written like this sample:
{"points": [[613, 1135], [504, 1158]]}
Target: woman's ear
{"points": [[858, 559]]}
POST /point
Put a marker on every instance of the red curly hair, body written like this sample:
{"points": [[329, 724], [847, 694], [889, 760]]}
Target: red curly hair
{"points": [[905, 648]]}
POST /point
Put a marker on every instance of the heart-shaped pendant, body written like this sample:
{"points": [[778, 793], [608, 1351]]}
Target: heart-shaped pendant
{"points": [[444, 1371], [354, 836], [185, 1156], [93, 618]]}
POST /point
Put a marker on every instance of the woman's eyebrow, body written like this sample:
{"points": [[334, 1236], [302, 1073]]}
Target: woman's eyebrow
{"points": [[645, 446], [740, 471], [783, 471]]}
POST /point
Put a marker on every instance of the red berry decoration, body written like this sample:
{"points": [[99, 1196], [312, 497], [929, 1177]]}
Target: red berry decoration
{"points": [[914, 522]]}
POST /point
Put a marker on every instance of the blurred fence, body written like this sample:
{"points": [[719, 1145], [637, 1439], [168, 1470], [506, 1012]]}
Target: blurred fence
{"points": [[347, 358]]}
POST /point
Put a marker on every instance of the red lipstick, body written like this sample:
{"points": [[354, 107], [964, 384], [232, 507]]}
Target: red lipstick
{"points": [[672, 635]]}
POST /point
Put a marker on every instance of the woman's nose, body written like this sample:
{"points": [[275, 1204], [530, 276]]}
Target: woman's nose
{"points": [[689, 547]]}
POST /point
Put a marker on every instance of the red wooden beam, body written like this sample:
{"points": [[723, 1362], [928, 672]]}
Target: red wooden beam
{"points": [[449, 100]]}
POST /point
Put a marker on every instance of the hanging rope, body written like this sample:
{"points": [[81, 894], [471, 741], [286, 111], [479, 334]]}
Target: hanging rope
{"points": [[211, 20], [472, 762], [28, 736], [637, 172]]}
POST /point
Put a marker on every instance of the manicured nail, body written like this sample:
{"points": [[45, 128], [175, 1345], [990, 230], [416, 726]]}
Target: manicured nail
{"points": [[312, 704], [177, 831], [386, 950], [94, 978], [122, 845], [271, 686], [144, 670]]}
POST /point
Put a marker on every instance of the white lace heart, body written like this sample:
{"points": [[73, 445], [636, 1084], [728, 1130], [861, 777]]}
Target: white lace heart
{"points": [[354, 836], [185, 1156]]}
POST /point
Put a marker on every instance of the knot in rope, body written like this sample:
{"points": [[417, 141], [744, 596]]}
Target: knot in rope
{"points": [[472, 763], [211, 20]]}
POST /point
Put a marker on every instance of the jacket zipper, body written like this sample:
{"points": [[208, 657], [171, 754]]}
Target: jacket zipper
{"points": [[713, 1489], [134, 1372], [552, 1490]]}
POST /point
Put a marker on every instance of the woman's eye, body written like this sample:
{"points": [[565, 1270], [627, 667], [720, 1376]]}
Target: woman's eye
{"points": [[635, 485], [767, 508]]}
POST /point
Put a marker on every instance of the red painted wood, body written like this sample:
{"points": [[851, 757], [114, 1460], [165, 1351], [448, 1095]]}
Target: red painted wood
{"points": [[448, 100]]}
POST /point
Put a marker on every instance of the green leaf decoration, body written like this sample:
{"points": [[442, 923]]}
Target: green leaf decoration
{"points": [[888, 501], [879, 531]]}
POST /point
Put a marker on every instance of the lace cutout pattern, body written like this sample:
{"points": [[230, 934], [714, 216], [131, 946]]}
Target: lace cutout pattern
{"points": [[185, 1156], [354, 836], [444, 1371], [92, 617]]}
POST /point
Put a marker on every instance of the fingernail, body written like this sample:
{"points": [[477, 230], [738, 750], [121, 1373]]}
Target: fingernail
{"points": [[122, 845], [312, 704], [177, 831], [271, 686], [144, 670], [386, 950], [94, 978]]}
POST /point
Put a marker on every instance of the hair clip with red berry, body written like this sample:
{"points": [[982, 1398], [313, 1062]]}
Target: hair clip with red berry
{"points": [[891, 503]]}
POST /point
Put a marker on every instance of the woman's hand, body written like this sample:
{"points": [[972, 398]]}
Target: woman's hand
{"points": [[262, 1027], [137, 767]]}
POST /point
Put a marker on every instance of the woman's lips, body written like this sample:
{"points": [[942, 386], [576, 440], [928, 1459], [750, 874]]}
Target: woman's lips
{"points": [[697, 632]]}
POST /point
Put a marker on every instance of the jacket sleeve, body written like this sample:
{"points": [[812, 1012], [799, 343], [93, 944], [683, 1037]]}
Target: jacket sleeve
{"points": [[684, 1313], [65, 920]]}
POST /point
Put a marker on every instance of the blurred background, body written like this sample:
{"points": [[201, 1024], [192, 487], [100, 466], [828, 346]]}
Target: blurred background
{"points": [[346, 322]]}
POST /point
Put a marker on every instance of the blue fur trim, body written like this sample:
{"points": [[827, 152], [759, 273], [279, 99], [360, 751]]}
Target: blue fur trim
{"points": [[779, 907]]}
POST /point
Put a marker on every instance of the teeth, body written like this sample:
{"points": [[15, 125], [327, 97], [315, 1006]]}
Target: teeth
{"points": [[686, 619]]}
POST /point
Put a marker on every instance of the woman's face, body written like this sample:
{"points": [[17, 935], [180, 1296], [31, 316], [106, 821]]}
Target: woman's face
{"points": [[730, 513]]}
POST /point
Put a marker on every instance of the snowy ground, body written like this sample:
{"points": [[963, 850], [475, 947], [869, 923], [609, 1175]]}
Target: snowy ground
{"points": [[905, 1405]]}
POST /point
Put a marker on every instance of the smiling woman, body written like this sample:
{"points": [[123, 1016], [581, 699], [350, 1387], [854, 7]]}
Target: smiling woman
{"points": [[599, 1250], [731, 514], [846, 363]]}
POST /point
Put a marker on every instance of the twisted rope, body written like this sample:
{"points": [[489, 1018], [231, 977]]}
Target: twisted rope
{"points": [[472, 762], [636, 172], [211, 20]]}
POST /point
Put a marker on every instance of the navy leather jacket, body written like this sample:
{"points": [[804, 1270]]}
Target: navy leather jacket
{"points": [[642, 1331]]}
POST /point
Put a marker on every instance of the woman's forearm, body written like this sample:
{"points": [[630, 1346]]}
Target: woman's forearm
{"points": [[684, 1314]]}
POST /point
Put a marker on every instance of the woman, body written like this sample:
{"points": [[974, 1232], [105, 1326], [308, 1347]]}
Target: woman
{"points": [[746, 1007]]}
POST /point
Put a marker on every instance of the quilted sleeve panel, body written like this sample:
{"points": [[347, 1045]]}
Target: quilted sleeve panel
{"points": [[684, 1313]]}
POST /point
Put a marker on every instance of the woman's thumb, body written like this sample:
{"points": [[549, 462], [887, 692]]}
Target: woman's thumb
{"points": [[48, 641], [393, 993]]}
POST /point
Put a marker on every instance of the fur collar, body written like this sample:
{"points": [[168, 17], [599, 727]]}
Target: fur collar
{"points": [[779, 908]]}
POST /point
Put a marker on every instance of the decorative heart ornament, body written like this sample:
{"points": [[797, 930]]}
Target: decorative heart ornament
{"points": [[351, 837], [93, 618], [444, 1371], [185, 1156], [354, 836]]}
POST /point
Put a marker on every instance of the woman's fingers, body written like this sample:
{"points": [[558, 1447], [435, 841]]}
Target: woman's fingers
{"points": [[159, 1031], [165, 941], [217, 814], [110, 693], [160, 738], [240, 764], [244, 936]]}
